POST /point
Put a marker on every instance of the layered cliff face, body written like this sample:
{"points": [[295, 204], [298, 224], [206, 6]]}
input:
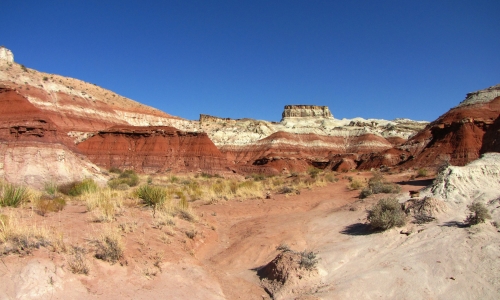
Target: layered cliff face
{"points": [[306, 111], [297, 152], [461, 134], [34, 150], [305, 138], [80, 107], [154, 149]]}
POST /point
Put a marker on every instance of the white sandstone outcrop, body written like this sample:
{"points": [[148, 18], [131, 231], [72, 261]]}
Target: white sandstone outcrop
{"points": [[6, 54]]}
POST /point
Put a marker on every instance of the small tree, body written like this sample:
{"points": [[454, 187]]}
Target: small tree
{"points": [[478, 214], [387, 213]]}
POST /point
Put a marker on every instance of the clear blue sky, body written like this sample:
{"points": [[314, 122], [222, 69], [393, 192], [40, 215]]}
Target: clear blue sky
{"points": [[372, 59]]}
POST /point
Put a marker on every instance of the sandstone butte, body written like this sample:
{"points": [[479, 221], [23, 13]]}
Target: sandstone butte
{"points": [[51, 120]]}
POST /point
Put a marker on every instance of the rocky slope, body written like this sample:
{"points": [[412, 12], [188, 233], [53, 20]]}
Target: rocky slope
{"points": [[102, 124], [77, 106], [34, 150], [461, 134]]}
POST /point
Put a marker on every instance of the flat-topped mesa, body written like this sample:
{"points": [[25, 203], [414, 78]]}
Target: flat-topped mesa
{"points": [[6, 54], [208, 119], [306, 111]]}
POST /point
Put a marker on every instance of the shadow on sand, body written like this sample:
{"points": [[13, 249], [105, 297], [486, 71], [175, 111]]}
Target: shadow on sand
{"points": [[454, 224], [422, 182], [357, 229]]}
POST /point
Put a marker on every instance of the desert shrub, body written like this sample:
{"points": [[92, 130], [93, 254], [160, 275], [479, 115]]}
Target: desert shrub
{"points": [[308, 260], [128, 177], [355, 184], [330, 177], [77, 263], [366, 192], [387, 213], [313, 172], [48, 204], [12, 195], [191, 233], [23, 67], [152, 195], [377, 184], [286, 190], [115, 170], [422, 172], [478, 214], [174, 179], [283, 247], [109, 246], [77, 188], [186, 214]]}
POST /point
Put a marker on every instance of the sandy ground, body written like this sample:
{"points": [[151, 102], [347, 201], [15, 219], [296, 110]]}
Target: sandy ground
{"points": [[439, 260]]}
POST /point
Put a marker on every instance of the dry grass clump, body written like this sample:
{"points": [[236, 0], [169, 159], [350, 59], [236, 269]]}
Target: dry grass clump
{"points": [[47, 203], [387, 213], [109, 246], [13, 195], [354, 184], [105, 204], [230, 189], [16, 237], [77, 188]]}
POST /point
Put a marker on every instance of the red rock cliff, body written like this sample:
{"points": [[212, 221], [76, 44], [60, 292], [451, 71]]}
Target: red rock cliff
{"points": [[154, 149]]}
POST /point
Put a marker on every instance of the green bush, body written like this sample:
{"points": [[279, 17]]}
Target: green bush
{"points": [[366, 192], [12, 195], [478, 214], [377, 185], [152, 195], [128, 177], [78, 188], [387, 213]]}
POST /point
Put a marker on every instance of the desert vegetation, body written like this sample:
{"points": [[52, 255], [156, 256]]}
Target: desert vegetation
{"points": [[478, 213], [387, 213], [378, 184]]}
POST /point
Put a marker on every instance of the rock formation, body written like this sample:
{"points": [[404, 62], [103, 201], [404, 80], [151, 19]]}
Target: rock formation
{"points": [[6, 55], [457, 136], [306, 111], [33, 149], [112, 131], [153, 150]]}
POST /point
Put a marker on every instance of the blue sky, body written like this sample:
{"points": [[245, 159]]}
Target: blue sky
{"points": [[237, 59]]}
